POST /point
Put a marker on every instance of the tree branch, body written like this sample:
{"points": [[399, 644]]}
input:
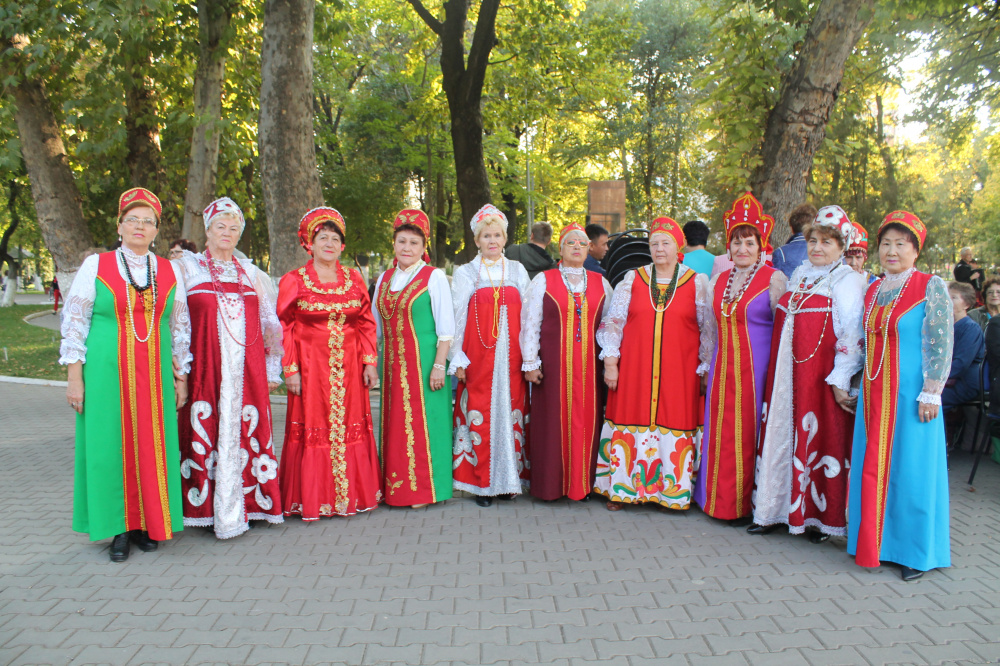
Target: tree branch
{"points": [[483, 40], [432, 22]]}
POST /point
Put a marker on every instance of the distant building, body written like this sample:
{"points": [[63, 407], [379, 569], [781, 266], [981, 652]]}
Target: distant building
{"points": [[606, 204]]}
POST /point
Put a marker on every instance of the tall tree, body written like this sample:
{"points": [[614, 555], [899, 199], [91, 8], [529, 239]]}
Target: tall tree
{"points": [[287, 145], [57, 199], [796, 125], [463, 86], [214, 18]]}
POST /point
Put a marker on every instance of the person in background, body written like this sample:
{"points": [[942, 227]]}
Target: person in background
{"points": [[991, 303], [55, 295], [964, 269], [598, 236], [970, 349], [532, 255], [790, 256], [856, 256], [898, 490], [177, 248], [696, 257]]}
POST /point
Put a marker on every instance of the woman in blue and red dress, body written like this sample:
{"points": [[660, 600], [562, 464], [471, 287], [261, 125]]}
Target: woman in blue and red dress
{"points": [[743, 301], [898, 500], [655, 342], [559, 323], [329, 463]]}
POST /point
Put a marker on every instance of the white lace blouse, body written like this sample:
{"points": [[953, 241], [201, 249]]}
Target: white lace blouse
{"points": [[79, 309], [846, 290], [531, 314], [437, 288], [612, 328], [478, 274], [937, 335], [196, 276]]}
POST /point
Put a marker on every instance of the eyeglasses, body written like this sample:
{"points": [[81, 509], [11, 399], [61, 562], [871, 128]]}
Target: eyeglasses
{"points": [[139, 222], [573, 243]]}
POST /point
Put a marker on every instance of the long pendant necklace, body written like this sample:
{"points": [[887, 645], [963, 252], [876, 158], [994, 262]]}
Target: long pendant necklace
{"points": [[387, 291], [498, 300], [884, 327], [144, 293], [727, 296], [666, 296], [800, 294], [222, 299], [577, 302]]}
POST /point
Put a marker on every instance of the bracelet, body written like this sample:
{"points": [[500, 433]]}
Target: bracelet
{"points": [[438, 366]]}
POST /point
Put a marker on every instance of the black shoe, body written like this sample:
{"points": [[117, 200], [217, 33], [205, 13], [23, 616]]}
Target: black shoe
{"points": [[506, 497], [817, 537], [484, 501], [119, 548], [740, 522], [142, 541], [906, 573], [762, 529]]}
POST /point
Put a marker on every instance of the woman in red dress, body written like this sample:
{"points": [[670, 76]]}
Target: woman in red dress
{"points": [[329, 463]]}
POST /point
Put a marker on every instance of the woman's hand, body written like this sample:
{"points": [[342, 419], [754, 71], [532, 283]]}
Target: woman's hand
{"points": [[181, 390], [534, 376], [370, 375], [294, 383], [74, 390], [272, 385], [844, 399], [927, 412], [437, 378], [611, 373], [460, 374], [703, 383]]}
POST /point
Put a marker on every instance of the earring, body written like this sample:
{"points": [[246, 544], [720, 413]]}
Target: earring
{"points": [[119, 238]]}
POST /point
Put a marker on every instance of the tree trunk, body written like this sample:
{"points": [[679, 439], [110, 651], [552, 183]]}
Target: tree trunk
{"points": [[463, 86], [57, 200], [797, 124], [214, 17], [287, 145]]}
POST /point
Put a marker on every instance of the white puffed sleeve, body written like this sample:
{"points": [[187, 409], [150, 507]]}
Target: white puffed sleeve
{"points": [[706, 321], [612, 328], [776, 288], [77, 312], [441, 306], [375, 312], [848, 302], [608, 293], [463, 284], [180, 324], [531, 324], [270, 326], [937, 339]]}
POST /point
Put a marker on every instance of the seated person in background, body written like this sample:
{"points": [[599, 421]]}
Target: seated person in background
{"points": [[963, 380], [598, 236], [532, 254], [696, 257], [790, 256], [991, 303]]}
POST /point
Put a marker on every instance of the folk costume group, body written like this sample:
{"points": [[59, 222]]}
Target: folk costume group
{"points": [[767, 401]]}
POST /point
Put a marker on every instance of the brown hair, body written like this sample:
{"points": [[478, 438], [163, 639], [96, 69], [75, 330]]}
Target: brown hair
{"points": [[745, 231], [824, 231], [409, 227], [992, 282], [896, 226], [184, 244], [801, 216], [330, 226], [966, 291]]}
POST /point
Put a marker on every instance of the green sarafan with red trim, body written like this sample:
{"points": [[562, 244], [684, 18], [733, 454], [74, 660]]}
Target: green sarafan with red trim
{"points": [[127, 474]]}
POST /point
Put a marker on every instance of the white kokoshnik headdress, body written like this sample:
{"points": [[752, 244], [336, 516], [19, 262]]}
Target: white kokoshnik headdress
{"points": [[834, 217], [223, 206], [483, 213]]}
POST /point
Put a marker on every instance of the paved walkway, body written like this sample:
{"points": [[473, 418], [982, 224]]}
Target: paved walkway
{"points": [[520, 582]]}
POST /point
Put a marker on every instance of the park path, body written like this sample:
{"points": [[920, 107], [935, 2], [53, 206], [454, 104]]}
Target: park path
{"points": [[520, 582]]}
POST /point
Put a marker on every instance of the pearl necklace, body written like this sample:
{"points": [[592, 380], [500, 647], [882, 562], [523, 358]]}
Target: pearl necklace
{"points": [[884, 327], [498, 300], [222, 298], [148, 305], [668, 294], [727, 295]]}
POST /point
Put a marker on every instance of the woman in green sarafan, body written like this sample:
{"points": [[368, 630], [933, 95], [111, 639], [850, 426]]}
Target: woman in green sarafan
{"points": [[413, 310], [126, 336]]}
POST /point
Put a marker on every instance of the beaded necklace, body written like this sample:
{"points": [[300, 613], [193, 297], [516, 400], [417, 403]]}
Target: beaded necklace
{"points": [[667, 295], [800, 294], [221, 298], [336, 291], [394, 300], [577, 301], [498, 300], [884, 327], [148, 303], [727, 296]]}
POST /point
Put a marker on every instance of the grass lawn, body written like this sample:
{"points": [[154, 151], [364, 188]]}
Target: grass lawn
{"points": [[32, 351]]}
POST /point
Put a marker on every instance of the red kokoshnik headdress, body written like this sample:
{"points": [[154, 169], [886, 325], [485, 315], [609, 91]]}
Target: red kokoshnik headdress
{"points": [[747, 210], [665, 225], [908, 220], [139, 196], [313, 220], [860, 244], [419, 219], [570, 228]]}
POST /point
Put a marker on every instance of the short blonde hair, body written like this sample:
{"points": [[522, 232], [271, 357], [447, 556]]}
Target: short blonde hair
{"points": [[491, 221]]}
